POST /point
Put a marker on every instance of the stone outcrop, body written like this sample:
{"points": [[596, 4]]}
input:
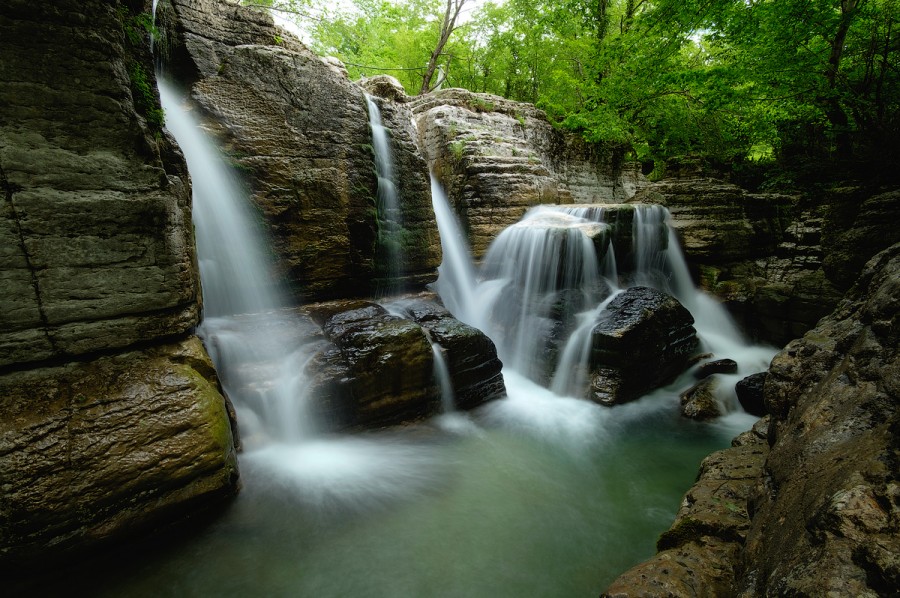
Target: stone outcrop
{"points": [[97, 250], [817, 508], [90, 451], [475, 370], [495, 158], [780, 262], [112, 417], [697, 554], [298, 132], [377, 368], [643, 340]]}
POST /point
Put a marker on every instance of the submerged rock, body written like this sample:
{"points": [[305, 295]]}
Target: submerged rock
{"points": [[644, 339], [717, 366], [700, 402]]}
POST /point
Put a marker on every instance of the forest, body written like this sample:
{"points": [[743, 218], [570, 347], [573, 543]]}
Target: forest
{"points": [[786, 94]]}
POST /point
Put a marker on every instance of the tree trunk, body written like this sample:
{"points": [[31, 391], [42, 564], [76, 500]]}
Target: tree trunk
{"points": [[833, 109], [448, 24]]}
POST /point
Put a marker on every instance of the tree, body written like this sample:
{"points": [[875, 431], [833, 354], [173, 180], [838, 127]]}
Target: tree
{"points": [[448, 25]]}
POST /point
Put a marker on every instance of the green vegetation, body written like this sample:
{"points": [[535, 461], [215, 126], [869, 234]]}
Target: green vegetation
{"points": [[777, 92]]}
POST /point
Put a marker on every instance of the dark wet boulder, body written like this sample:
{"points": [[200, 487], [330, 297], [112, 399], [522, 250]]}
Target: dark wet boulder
{"points": [[699, 402], [643, 340], [389, 362], [475, 370], [718, 366], [750, 393]]}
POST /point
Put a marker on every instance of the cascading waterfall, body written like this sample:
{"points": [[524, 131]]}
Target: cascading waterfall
{"points": [[241, 329], [540, 290], [390, 217]]}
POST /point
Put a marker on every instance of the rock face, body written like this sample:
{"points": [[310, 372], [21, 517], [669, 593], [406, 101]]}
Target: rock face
{"points": [[780, 262], [644, 339], [97, 437], [817, 509], [92, 450], [697, 555], [298, 131], [495, 158], [97, 250]]}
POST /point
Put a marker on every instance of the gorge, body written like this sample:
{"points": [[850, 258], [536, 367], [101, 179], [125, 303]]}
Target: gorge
{"points": [[357, 474]]}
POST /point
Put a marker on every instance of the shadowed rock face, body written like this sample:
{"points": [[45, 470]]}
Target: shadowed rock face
{"points": [[298, 131], [97, 249], [780, 262], [813, 503], [97, 438]]}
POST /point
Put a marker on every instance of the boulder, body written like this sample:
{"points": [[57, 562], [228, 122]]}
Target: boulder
{"points": [[716, 366], [643, 340], [298, 133], [475, 370], [699, 402], [390, 364], [750, 393], [495, 158], [96, 450]]}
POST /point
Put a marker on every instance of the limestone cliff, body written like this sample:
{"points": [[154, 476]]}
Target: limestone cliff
{"points": [[496, 158], [298, 130], [112, 418]]}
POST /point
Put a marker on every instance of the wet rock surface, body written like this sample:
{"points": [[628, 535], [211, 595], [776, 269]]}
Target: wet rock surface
{"points": [[475, 370], [643, 339], [95, 219], [112, 416], [699, 402], [750, 393], [95, 450], [808, 499]]}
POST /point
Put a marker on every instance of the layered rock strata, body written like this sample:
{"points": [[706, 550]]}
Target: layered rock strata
{"points": [[780, 262], [112, 416], [495, 158], [817, 509], [297, 130]]}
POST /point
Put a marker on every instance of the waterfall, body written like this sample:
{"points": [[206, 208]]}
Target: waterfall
{"points": [[442, 375], [541, 290], [390, 218], [260, 368]]}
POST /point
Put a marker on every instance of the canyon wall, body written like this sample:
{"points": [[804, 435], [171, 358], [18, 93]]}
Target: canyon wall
{"points": [[112, 415]]}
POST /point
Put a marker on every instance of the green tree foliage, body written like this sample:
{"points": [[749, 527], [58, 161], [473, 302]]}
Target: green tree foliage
{"points": [[809, 83]]}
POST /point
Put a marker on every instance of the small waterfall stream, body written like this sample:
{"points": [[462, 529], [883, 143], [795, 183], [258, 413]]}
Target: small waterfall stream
{"points": [[389, 256]]}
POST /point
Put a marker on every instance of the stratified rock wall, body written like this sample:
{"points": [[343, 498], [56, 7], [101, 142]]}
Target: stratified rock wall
{"points": [[297, 130], [780, 262], [111, 415], [808, 502], [97, 249], [496, 158]]}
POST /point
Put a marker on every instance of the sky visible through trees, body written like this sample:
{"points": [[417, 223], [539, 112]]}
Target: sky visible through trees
{"points": [[806, 84]]}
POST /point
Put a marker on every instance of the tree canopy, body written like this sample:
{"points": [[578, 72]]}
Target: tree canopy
{"points": [[735, 83]]}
